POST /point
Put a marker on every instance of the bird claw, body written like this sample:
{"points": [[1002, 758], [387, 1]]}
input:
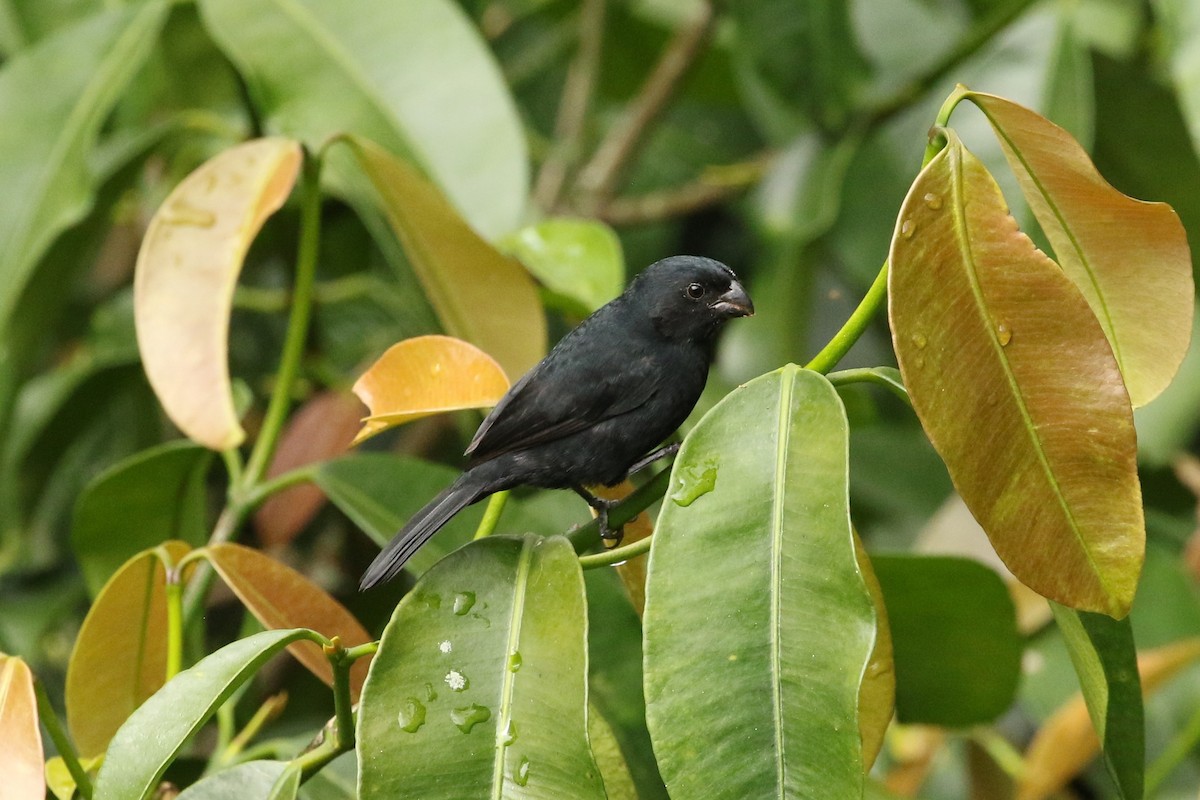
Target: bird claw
{"points": [[611, 538]]}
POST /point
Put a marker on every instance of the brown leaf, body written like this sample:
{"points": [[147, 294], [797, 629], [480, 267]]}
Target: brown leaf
{"points": [[427, 375], [280, 597], [186, 273], [1130, 259], [1017, 388], [321, 429], [21, 756]]}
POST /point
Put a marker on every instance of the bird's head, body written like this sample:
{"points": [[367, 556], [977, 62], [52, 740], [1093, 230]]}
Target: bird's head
{"points": [[690, 297]]}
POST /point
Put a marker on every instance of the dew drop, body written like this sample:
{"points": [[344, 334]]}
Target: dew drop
{"points": [[437, 367], [695, 481], [932, 200], [1003, 333], [521, 773], [430, 692], [907, 228], [431, 600], [463, 601], [514, 661], [919, 341], [509, 734], [412, 715], [467, 717]]}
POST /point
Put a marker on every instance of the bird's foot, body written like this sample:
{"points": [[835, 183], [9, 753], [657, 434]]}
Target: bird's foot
{"points": [[611, 537]]}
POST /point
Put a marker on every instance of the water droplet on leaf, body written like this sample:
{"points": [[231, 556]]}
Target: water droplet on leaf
{"points": [[919, 341], [463, 602], [932, 200], [183, 214], [430, 692], [509, 734], [1003, 333], [412, 715], [908, 228], [695, 480], [467, 717], [521, 773], [514, 661]]}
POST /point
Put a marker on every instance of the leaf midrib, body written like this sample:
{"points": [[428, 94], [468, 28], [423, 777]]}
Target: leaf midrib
{"points": [[782, 442], [964, 244]]}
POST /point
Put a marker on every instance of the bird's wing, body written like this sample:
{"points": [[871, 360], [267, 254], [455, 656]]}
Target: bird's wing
{"points": [[561, 397]]}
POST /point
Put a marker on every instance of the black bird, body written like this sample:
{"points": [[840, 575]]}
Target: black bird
{"points": [[610, 391]]}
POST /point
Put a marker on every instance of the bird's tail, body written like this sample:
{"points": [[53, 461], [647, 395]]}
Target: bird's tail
{"points": [[424, 524]]}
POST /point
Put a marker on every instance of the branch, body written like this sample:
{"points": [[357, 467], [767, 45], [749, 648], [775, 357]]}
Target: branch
{"points": [[573, 106], [714, 186], [598, 180]]}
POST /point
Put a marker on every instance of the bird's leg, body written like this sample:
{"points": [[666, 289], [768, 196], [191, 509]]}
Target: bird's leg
{"points": [[662, 452], [601, 507]]}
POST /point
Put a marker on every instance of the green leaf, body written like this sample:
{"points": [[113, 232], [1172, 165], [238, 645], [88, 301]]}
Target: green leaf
{"points": [[479, 294], [142, 501], [954, 638], [120, 656], [479, 687], [1105, 660], [576, 259], [250, 779], [415, 77], [47, 178], [151, 738], [1017, 388], [1130, 259], [288, 784], [758, 622], [618, 783]]}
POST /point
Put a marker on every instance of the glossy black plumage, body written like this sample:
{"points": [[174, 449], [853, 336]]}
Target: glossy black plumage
{"points": [[609, 392]]}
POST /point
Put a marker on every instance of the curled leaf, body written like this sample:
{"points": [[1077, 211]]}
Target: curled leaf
{"points": [[186, 273], [427, 375]]}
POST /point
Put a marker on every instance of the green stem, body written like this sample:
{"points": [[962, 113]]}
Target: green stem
{"points": [[587, 536], [327, 749], [491, 517], [343, 706], [361, 650], [271, 708], [297, 330], [616, 555], [257, 495], [870, 375], [853, 329], [57, 735], [174, 591]]}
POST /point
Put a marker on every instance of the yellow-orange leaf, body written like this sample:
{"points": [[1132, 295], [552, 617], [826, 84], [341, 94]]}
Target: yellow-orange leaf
{"points": [[21, 754], [186, 273], [120, 655], [479, 293], [280, 597], [1067, 741], [1017, 388], [1129, 258], [427, 375]]}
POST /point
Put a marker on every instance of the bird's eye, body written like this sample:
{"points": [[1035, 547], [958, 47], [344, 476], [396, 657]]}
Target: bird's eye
{"points": [[695, 291]]}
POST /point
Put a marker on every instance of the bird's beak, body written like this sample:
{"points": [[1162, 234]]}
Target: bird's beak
{"points": [[734, 302]]}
